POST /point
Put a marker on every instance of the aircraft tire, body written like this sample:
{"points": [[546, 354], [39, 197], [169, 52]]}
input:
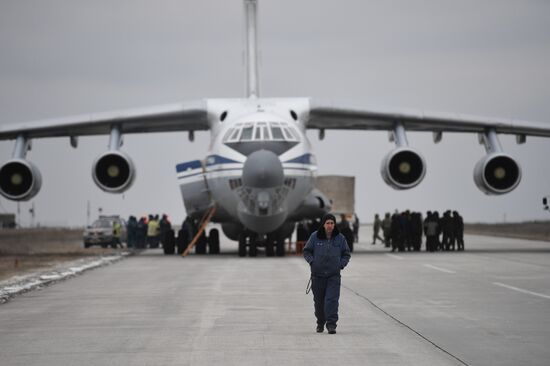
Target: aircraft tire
{"points": [[270, 247], [200, 247], [280, 248], [180, 247], [214, 242], [253, 248], [242, 245], [169, 244], [182, 241]]}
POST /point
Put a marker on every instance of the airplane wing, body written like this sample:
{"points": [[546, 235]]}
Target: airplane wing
{"points": [[187, 116], [326, 116]]}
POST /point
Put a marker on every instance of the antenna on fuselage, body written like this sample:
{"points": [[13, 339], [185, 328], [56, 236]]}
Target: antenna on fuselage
{"points": [[251, 17]]}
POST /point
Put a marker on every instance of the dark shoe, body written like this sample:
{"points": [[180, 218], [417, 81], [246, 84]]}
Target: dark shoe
{"points": [[320, 328], [331, 330]]}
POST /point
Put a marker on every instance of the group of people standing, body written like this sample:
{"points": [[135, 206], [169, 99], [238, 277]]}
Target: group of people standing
{"points": [[403, 231], [147, 231]]}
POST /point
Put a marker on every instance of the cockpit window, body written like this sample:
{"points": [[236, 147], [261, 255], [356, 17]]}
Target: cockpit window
{"points": [[288, 136], [235, 135], [227, 134], [247, 133], [276, 132], [294, 133], [261, 131]]}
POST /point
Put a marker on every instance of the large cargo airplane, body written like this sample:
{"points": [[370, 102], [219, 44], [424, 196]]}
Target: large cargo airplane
{"points": [[260, 168]]}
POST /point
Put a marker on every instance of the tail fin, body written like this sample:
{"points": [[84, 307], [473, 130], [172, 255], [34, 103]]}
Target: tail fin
{"points": [[252, 82]]}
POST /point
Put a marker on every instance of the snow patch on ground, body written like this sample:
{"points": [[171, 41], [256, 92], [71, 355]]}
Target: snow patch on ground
{"points": [[21, 284]]}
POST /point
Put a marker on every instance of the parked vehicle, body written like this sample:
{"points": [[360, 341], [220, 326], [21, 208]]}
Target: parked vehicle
{"points": [[102, 232]]}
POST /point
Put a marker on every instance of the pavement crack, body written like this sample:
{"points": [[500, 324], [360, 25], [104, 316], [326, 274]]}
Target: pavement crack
{"points": [[372, 303]]}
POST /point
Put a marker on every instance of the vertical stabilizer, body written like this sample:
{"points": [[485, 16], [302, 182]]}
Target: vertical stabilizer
{"points": [[252, 82]]}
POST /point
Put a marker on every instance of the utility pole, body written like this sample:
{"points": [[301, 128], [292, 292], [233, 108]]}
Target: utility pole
{"points": [[32, 212], [88, 213]]}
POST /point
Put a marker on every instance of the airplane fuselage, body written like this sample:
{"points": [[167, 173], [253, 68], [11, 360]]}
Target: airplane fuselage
{"points": [[259, 167]]}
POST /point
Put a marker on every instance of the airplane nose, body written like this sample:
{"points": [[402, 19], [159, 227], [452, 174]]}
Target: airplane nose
{"points": [[263, 199], [263, 169]]}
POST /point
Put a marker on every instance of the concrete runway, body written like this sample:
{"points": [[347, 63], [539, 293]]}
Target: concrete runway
{"points": [[489, 305]]}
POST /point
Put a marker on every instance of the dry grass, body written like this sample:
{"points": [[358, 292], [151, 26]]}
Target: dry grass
{"points": [[26, 250], [532, 230]]}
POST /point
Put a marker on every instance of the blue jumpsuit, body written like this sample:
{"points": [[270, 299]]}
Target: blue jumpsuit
{"points": [[326, 257]]}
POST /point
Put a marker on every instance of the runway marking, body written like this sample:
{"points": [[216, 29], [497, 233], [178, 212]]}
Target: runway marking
{"points": [[395, 256], [522, 290], [439, 268]]}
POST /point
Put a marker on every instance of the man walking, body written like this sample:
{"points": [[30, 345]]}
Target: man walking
{"points": [[376, 225], [327, 253]]}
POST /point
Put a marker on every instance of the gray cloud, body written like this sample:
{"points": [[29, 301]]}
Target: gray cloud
{"points": [[485, 58]]}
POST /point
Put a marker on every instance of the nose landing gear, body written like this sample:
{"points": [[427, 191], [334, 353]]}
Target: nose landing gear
{"points": [[273, 243]]}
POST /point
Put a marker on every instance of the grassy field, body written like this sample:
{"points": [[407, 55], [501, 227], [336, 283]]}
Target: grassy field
{"points": [[533, 230], [28, 250]]}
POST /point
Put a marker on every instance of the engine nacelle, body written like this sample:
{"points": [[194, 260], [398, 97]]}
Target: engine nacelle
{"points": [[113, 171], [403, 168], [315, 205], [497, 173], [20, 180]]}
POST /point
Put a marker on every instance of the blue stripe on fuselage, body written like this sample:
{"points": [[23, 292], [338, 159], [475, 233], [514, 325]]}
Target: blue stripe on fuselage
{"points": [[217, 159], [190, 165], [302, 159]]}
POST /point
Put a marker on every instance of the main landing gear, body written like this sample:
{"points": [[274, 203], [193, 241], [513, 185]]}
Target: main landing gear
{"points": [[205, 244], [273, 243]]}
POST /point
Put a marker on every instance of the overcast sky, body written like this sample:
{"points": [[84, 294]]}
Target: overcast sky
{"points": [[482, 57]]}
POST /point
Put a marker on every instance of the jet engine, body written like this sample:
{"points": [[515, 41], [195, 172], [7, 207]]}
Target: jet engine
{"points": [[403, 168], [113, 171], [20, 180], [315, 205], [497, 173]]}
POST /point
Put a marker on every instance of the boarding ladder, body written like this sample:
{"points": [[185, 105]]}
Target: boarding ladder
{"points": [[204, 221]]}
